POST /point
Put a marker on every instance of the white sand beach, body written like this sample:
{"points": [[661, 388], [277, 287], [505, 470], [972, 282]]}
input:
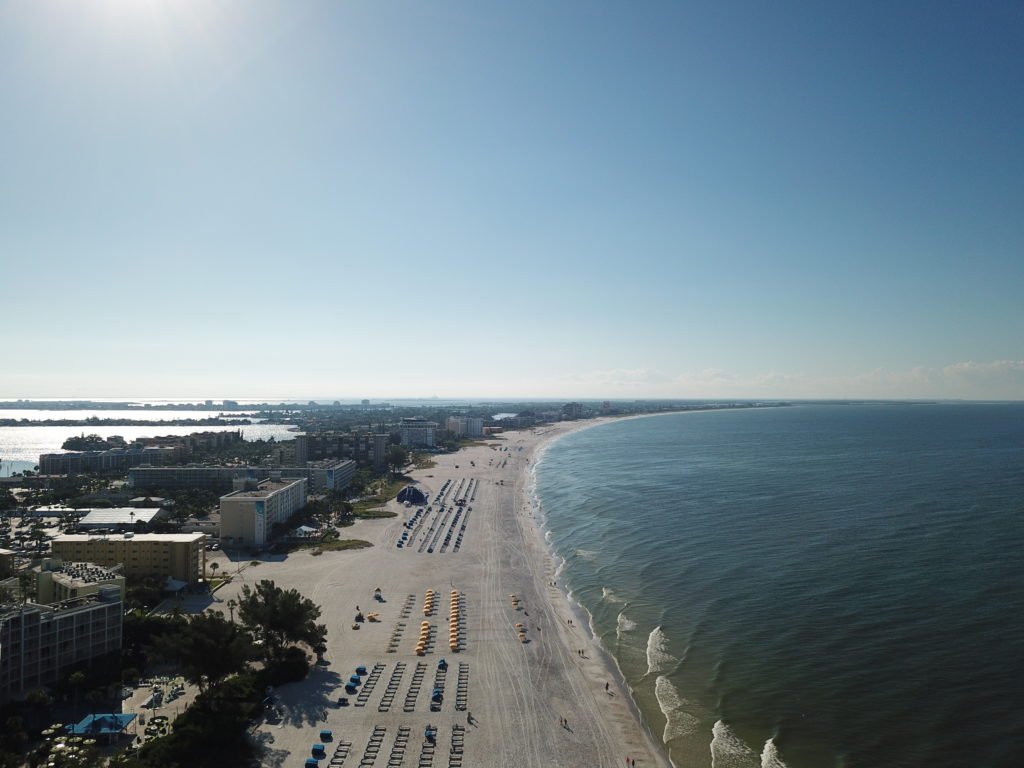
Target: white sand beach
{"points": [[531, 704]]}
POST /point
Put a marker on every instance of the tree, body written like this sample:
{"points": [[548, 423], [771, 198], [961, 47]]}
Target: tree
{"points": [[39, 705], [26, 584], [214, 567], [38, 533], [76, 680], [232, 604], [282, 616], [208, 649], [7, 500], [398, 457], [94, 698]]}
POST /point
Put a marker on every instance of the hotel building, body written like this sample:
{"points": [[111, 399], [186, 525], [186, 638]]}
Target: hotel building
{"points": [[182, 556], [39, 643], [247, 516]]}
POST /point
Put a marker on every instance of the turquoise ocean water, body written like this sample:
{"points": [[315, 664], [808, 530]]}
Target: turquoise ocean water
{"points": [[806, 586]]}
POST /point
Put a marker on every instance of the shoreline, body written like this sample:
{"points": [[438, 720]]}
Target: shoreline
{"points": [[536, 519], [531, 700]]}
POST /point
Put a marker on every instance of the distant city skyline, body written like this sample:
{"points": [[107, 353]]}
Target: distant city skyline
{"points": [[540, 200]]}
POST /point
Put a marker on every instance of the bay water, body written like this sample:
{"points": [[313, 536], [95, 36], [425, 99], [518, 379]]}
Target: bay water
{"points": [[815, 585]]}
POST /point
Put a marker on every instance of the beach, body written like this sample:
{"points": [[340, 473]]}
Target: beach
{"points": [[554, 700]]}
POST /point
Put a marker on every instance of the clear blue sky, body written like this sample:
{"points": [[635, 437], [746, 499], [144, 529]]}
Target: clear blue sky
{"points": [[568, 199]]}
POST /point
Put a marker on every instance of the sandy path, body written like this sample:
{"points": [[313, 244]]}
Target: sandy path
{"points": [[517, 692]]}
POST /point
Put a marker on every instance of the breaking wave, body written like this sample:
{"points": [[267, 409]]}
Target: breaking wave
{"points": [[728, 751], [609, 596], [770, 756], [622, 624], [678, 722], [658, 658]]}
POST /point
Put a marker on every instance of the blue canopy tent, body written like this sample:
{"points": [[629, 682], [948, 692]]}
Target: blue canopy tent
{"points": [[413, 495], [101, 725]]}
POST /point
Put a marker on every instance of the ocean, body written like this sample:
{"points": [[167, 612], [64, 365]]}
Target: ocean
{"points": [[819, 585]]}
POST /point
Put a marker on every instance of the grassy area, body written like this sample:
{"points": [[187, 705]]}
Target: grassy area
{"points": [[423, 461], [383, 492], [370, 514], [337, 545]]}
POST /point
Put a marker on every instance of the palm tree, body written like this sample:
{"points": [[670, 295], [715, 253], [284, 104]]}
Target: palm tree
{"points": [[76, 679], [232, 604], [214, 567]]}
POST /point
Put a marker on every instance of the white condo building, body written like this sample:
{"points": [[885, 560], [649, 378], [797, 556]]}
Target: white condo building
{"points": [[465, 426], [248, 515], [417, 433]]}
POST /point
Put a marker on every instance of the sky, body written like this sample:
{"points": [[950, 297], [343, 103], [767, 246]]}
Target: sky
{"points": [[511, 200]]}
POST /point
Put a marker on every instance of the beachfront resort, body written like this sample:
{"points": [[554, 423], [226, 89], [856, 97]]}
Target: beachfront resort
{"points": [[442, 639]]}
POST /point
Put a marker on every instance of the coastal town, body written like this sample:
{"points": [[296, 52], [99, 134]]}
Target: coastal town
{"points": [[205, 599]]}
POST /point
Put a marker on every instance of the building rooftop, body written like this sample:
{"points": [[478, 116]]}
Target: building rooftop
{"points": [[77, 603], [129, 536], [77, 574], [264, 489], [121, 516]]}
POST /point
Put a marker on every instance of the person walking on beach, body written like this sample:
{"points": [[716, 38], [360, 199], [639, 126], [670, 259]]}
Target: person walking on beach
{"points": [[606, 687]]}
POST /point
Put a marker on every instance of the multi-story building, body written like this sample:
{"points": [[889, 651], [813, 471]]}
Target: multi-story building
{"points": [[572, 411], [381, 444], [327, 475], [301, 448], [417, 433], [465, 426], [57, 581], [39, 643], [182, 556], [248, 516], [113, 460], [148, 451]]}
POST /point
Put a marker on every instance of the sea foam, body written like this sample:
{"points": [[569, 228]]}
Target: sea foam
{"points": [[658, 658], [728, 751], [623, 624], [678, 722], [609, 596], [770, 756]]}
